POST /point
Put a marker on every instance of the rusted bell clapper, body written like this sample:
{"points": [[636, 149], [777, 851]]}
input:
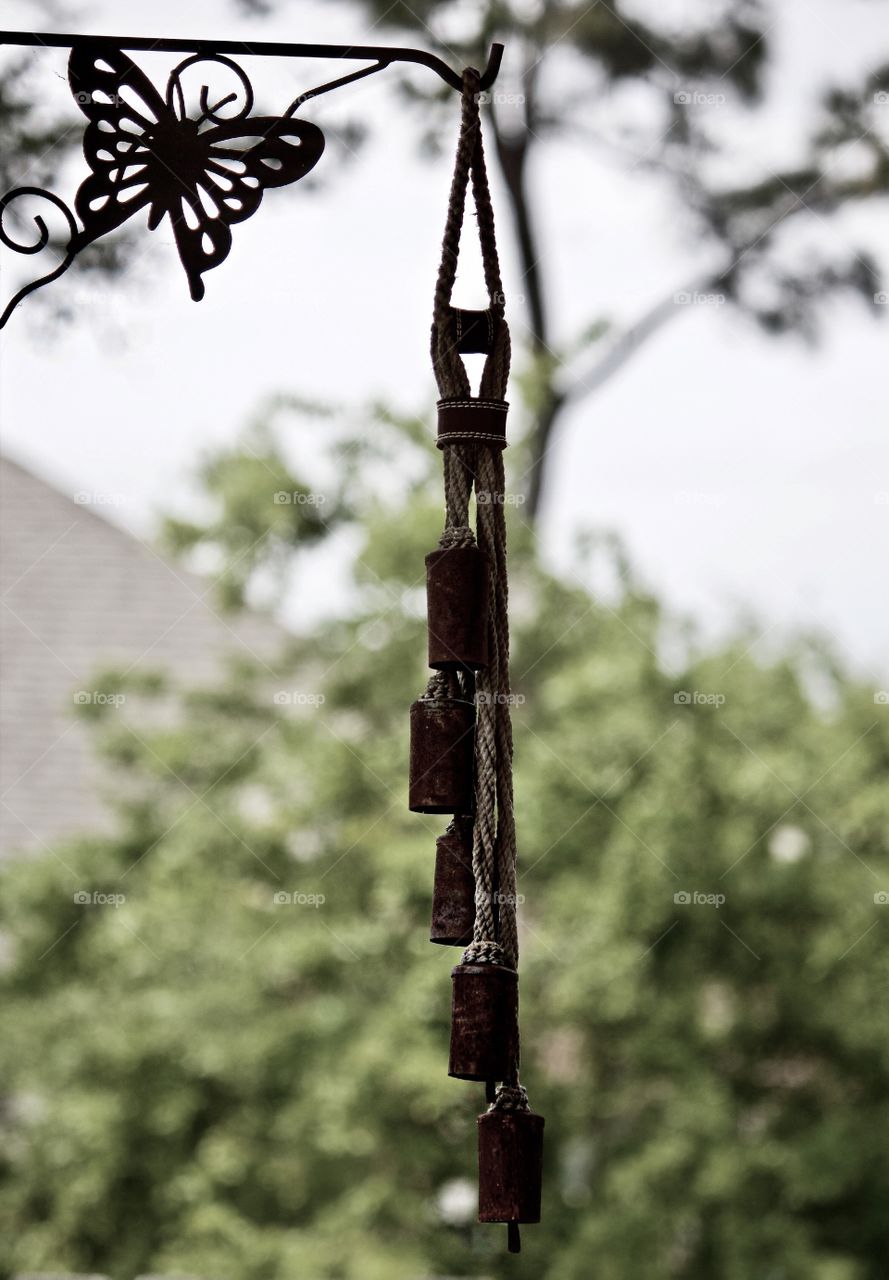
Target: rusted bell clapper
{"points": [[453, 896], [442, 740], [484, 1021], [510, 1168], [457, 608]]}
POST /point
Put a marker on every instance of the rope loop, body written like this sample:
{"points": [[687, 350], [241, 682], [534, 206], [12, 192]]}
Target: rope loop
{"points": [[469, 164]]}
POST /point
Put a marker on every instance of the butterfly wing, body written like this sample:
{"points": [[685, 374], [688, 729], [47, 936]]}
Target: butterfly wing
{"points": [[123, 108], [242, 159], [205, 177]]}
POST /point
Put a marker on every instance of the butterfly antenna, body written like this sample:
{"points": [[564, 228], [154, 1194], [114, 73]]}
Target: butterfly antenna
{"points": [[211, 111]]}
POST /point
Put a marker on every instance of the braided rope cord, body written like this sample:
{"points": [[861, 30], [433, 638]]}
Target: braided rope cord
{"points": [[480, 466]]}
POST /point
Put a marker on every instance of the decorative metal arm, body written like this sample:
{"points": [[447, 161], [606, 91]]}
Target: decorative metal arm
{"points": [[381, 54], [204, 168]]}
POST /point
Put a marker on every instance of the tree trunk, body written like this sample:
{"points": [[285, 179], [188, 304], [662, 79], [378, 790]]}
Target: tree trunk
{"points": [[512, 153]]}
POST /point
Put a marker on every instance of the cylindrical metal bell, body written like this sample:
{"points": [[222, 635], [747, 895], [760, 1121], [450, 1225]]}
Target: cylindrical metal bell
{"points": [[457, 608], [453, 895], [442, 740], [484, 1021], [510, 1166]]}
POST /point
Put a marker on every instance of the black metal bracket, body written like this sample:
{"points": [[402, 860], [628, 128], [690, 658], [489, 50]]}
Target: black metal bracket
{"points": [[203, 169], [384, 55]]}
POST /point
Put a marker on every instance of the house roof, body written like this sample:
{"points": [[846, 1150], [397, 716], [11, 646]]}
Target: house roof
{"points": [[80, 594]]}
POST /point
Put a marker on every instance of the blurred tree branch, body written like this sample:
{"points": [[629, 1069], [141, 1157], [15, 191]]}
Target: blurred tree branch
{"points": [[728, 51]]}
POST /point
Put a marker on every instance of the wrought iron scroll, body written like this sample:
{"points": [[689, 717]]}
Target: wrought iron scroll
{"points": [[203, 165]]}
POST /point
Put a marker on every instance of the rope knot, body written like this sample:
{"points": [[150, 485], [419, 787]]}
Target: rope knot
{"points": [[457, 536], [510, 1097], [483, 952], [440, 685]]}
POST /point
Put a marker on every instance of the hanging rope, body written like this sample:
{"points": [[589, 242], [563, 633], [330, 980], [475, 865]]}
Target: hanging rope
{"points": [[461, 733], [478, 463], [450, 372]]}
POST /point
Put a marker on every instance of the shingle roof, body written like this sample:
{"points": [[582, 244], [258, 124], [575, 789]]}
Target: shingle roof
{"points": [[78, 594]]}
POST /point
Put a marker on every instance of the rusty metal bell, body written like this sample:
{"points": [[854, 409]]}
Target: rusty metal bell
{"points": [[441, 756], [453, 894], [484, 1021], [510, 1168], [457, 608]]}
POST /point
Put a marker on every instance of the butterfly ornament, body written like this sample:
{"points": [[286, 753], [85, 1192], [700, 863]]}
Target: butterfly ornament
{"points": [[204, 172]]}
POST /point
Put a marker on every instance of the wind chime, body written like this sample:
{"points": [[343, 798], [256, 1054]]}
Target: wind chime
{"points": [[460, 728], [204, 168]]}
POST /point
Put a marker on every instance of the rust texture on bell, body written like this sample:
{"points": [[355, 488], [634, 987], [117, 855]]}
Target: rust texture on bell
{"points": [[453, 894], [484, 1021], [441, 755], [510, 1166], [457, 608]]}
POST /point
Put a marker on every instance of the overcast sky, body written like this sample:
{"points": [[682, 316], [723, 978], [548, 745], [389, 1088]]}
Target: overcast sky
{"points": [[747, 475]]}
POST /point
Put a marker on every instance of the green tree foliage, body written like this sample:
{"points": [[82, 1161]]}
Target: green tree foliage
{"points": [[206, 1079]]}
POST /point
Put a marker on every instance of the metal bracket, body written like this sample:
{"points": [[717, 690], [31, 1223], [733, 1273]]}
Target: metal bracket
{"points": [[203, 169]]}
